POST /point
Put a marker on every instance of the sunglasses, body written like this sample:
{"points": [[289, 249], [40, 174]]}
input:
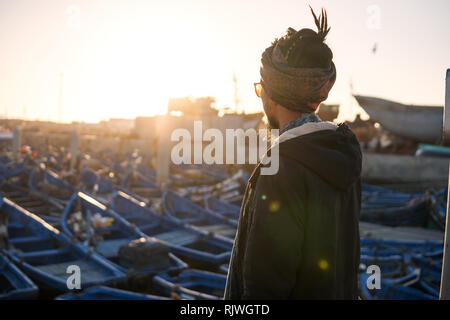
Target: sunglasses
{"points": [[258, 88]]}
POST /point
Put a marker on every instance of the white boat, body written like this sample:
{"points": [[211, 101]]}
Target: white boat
{"points": [[421, 123]]}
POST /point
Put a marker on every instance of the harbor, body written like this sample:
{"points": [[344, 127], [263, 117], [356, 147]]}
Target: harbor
{"points": [[224, 151], [135, 236]]}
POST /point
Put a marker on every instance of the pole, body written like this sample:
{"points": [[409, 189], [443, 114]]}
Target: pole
{"points": [[445, 277], [17, 141], [236, 94], [74, 149], [163, 155], [60, 100]]}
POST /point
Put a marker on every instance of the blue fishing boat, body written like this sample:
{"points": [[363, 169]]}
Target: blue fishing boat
{"points": [[93, 182], [45, 254], [55, 161], [137, 183], [230, 190], [191, 284], [391, 291], [390, 266], [192, 244], [196, 174], [47, 208], [107, 293], [384, 206], [107, 232], [14, 284], [438, 211], [102, 188], [430, 273], [49, 184], [377, 247], [226, 209], [185, 212], [10, 168], [387, 249], [224, 268], [414, 265], [174, 179]]}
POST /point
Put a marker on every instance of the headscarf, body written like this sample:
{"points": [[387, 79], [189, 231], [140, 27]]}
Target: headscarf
{"points": [[294, 88]]}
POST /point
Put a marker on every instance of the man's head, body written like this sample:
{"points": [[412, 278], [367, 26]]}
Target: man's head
{"points": [[297, 73]]}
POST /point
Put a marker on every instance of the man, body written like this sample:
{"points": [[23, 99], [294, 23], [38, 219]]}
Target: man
{"points": [[298, 234]]}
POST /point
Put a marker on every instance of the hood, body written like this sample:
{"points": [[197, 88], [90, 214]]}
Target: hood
{"points": [[332, 152]]}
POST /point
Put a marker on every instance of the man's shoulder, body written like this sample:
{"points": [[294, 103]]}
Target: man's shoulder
{"points": [[290, 173]]}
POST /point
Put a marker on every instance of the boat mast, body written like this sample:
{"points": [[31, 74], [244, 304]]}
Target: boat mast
{"points": [[61, 78], [236, 94]]}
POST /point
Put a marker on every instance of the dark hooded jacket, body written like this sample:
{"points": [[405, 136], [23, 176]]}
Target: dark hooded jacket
{"points": [[298, 233]]}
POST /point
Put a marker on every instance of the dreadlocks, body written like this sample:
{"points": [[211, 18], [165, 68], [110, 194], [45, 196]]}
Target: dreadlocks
{"points": [[297, 70], [306, 48]]}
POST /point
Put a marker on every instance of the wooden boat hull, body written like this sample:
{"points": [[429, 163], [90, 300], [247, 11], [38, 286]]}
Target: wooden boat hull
{"points": [[420, 123]]}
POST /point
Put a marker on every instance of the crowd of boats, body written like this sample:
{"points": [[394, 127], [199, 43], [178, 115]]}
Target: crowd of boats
{"points": [[131, 239]]}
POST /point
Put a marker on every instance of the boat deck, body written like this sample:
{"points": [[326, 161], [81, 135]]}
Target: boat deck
{"points": [[110, 248], [90, 273], [178, 237], [222, 229]]}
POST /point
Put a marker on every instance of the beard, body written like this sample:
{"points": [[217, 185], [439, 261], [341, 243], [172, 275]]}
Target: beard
{"points": [[273, 123]]}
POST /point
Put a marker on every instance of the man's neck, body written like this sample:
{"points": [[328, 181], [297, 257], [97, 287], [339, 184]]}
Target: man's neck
{"points": [[302, 119], [286, 116]]}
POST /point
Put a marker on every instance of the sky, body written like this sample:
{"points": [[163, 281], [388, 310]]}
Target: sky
{"points": [[125, 58]]}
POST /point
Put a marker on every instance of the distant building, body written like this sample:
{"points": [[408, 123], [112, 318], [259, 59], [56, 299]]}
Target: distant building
{"points": [[122, 126], [193, 106]]}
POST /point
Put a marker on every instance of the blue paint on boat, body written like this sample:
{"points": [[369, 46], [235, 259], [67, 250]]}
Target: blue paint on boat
{"points": [[384, 206], [14, 284], [139, 184], [44, 253], [191, 284], [19, 191], [438, 211], [107, 293], [224, 268], [409, 269], [391, 291], [225, 209], [185, 241], [185, 212], [121, 232]]}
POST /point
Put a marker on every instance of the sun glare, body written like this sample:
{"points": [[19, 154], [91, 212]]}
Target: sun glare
{"points": [[135, 71]]}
